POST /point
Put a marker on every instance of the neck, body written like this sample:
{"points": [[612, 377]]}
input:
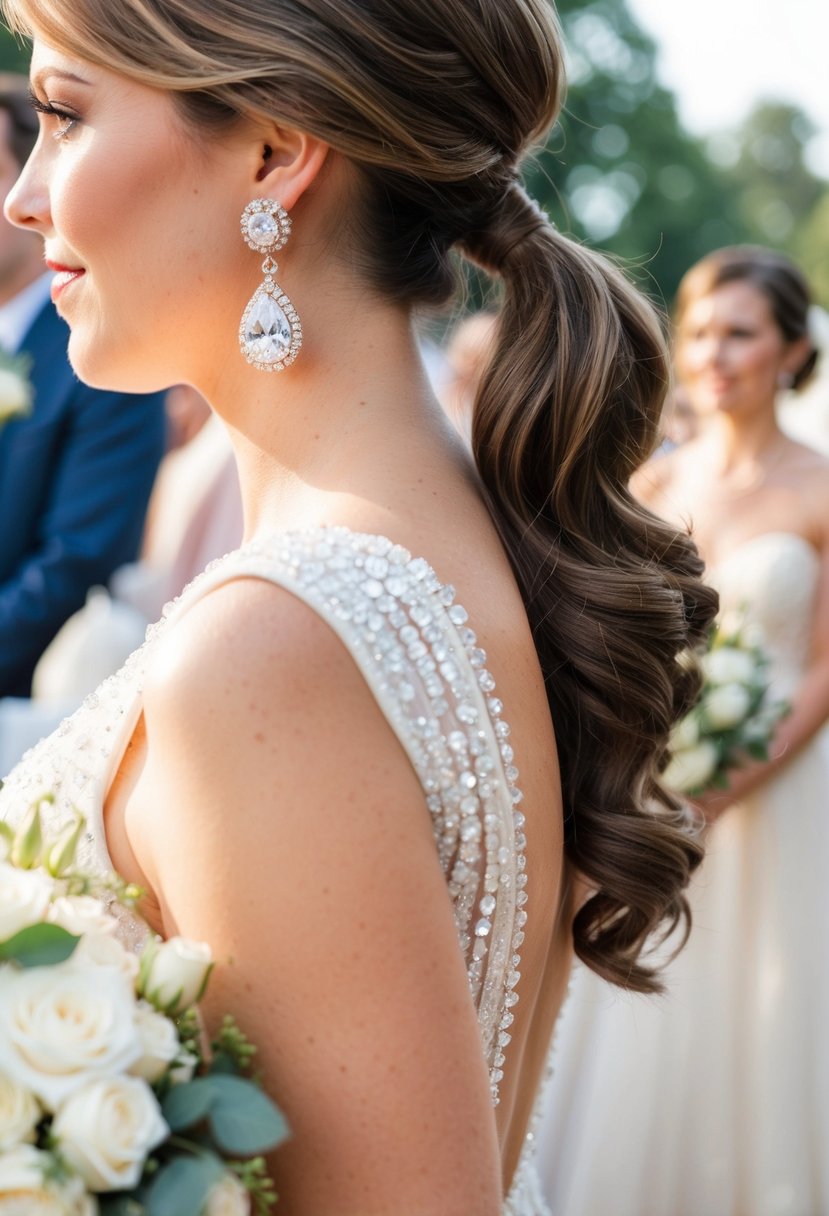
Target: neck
{"points": [[741, 442], [312, 442]]}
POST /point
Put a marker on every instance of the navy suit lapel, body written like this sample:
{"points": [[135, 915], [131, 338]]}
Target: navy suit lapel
{"points": [[51, 376]]}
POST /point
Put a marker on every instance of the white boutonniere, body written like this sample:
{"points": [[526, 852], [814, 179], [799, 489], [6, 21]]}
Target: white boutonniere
{"points": [[16, 391]]}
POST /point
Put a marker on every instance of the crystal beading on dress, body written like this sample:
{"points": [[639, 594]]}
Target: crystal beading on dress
{"points": [[421, 660]]}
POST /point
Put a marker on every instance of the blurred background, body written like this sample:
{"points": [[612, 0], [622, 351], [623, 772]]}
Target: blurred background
{"points": [[686, 128]]}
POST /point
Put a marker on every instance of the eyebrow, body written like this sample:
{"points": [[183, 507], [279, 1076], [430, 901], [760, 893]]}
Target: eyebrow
{"points": [[47, 73]]}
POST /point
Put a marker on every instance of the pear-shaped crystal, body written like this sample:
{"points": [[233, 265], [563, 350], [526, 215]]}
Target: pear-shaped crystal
{"points": [[266, 330]]}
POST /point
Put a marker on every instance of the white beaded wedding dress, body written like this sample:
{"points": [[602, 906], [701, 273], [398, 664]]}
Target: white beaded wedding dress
{"points": [[714, 1100], [421, 660]]}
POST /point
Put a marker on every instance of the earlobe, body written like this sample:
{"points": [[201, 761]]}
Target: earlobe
{"points": [[289, 166]]}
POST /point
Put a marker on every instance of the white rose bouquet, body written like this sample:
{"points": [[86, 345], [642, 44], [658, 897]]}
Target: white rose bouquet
{"points": [[735, 717], [15, 386], [111, 1103]]}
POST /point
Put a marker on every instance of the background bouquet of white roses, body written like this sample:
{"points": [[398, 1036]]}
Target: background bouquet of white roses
{"points": [[735, 717], [110, 1102], [15, 386]]}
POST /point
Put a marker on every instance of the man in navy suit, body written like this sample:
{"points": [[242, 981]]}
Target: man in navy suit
{"points": [[76, 474]]}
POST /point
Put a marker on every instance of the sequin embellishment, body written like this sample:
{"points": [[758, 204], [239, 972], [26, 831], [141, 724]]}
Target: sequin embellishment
{"points": [[420, 657]]}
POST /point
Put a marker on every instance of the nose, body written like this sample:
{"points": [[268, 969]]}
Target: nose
{"points": [[27, 203], [709, 352]]}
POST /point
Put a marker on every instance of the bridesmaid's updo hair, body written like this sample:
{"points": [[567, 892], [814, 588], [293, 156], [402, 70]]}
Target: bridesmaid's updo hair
{"points": [[435, 103], [774, 276]]}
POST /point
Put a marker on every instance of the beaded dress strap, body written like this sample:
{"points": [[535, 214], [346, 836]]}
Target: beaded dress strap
{"points": [[420, 659]]}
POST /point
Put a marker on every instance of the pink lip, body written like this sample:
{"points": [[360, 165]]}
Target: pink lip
{"points": [[64, 275], [719, 384]]}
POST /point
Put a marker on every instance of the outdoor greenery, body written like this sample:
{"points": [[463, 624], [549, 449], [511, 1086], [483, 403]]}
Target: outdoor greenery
{"points": [[14, 55], [620, 172]]}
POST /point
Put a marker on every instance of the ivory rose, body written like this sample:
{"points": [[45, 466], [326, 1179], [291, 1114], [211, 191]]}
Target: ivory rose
{"points": [[80, 914], [24, 898], [726, 706], [725, 665], [15, 395], [104, 950], [19, 1113], [174, 973], [60, 1026], [692, 768], [685, 733], [107, 1129], [159, 1043], [24, 1190]]}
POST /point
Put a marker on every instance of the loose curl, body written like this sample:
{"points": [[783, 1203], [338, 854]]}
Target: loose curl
{"points": [[435, 102]]}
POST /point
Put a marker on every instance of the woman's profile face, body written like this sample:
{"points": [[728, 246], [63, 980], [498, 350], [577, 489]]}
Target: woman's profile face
{"points": [[140, 221], [731, 351]]}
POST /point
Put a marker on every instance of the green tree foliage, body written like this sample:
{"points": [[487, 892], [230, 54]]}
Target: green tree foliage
{"points": [[14, 55], [770, 177], [782, 202], [619, 171], [810, 247]]}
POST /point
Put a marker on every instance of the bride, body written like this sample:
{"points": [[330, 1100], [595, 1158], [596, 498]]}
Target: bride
{"points": [[715, 1101], [308, 764]]}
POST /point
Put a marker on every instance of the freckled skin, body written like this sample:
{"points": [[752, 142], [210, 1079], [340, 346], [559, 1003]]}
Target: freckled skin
{"points": [[326, 825]]}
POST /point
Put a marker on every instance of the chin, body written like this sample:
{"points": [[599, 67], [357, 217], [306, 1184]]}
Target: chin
{"points": [[102, 368]]}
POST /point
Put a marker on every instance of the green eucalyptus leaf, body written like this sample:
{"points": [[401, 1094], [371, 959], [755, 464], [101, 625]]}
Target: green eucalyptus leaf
{"points": [[223, 1064], [181, 1187], [41, 945], [187, 1104], [243, 1118]]}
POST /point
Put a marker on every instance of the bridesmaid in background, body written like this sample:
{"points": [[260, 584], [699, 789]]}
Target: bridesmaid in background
{"points": [[715, 1100]]}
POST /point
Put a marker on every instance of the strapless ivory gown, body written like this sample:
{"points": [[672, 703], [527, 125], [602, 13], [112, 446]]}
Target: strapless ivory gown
{"points": [[421, 660], [714, 1100]]}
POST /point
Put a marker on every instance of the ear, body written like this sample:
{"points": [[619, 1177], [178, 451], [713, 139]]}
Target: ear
{"points": [[289, 164], [797, 353]]}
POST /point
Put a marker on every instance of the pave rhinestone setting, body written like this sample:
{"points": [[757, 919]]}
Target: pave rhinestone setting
{"points": [[270, 331], [415, 647]]}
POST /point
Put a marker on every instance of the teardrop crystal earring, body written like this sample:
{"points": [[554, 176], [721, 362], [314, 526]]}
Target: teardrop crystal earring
{"points": [[270, 332]]}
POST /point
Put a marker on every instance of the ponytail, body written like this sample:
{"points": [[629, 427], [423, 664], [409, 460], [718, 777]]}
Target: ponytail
{"points": [[568, 408], [433, 104]]}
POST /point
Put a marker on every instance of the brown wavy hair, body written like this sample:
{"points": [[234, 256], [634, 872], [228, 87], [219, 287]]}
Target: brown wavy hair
{"points": [[774, 275], [435, 102]]}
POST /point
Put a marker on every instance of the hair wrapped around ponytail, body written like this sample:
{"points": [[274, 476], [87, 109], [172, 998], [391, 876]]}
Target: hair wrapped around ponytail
{"points": [[567, 410]]}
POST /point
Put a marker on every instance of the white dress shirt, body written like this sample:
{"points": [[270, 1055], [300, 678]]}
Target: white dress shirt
{"points": [[17, 315]]}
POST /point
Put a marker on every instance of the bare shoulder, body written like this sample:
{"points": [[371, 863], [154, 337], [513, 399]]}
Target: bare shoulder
{"points": [[288, 829], [807, 472], [249, 668], [812, 464]]}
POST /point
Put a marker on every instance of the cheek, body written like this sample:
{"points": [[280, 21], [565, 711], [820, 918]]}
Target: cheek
{"points": [[84, 212], [691, 359], [760, 360]]}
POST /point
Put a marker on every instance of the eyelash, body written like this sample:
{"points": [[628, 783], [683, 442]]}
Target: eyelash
{"points": [[44, 107]]}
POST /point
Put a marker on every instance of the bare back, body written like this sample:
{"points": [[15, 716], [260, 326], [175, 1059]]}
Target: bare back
{"points": [[263, 621]]}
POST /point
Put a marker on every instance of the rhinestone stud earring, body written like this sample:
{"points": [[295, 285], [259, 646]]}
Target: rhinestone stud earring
{"points": [[270, 332]]}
